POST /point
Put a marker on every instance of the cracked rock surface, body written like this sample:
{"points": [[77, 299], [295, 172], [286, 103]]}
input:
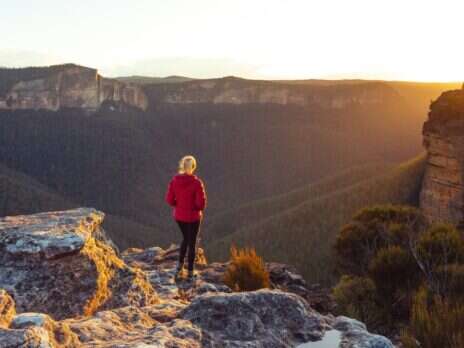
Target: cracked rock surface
{"points": [[86, 295]]}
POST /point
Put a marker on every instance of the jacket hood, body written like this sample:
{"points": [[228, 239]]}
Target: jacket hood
{"points": [[185, 179]]}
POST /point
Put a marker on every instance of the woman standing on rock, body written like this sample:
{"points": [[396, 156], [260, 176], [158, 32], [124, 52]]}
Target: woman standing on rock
{"points": [[186, 194]]}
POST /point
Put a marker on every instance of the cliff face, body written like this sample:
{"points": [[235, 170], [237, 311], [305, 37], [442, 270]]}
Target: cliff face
{"points": [[231, 90], [442, 195], [65, 86], [73, 86], [56, 265]]}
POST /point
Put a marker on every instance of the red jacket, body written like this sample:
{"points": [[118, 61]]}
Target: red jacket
{"points": [[186, 193]]}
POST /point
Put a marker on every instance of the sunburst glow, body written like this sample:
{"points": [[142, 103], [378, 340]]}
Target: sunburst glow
{"points": [[384, 39]]}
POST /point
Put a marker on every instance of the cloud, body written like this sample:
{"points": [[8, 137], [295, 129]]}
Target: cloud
{"points": [[186, 66]]}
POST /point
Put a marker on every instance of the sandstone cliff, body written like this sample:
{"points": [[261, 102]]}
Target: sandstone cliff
{"points": [[74, 86], [66, 287], [442, 195], [232, 90], [65, 86]]}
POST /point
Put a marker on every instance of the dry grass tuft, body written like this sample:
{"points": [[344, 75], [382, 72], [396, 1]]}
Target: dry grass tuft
{"points": [[435, 322], [246, 271]]}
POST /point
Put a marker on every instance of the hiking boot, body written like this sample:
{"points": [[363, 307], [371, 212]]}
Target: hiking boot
{"points": [[179, 271], [191, 275]]}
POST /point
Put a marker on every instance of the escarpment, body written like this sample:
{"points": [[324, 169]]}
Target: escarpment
{"points": [[442, 195], [65, 86], [63, 285], [74, 86], [232, 90]]}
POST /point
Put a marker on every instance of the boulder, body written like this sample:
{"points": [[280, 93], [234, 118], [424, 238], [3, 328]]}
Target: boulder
{"points": [[355, 335], [287, 279], [55, 334], [52, 263], [268, 318], [27, 338], [37, 330]]}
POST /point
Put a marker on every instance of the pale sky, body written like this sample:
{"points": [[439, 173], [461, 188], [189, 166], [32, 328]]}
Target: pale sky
{"points": [[287, 39]]}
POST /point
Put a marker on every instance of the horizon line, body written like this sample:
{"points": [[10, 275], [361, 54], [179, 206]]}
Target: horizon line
{"points": [[280, 79]]}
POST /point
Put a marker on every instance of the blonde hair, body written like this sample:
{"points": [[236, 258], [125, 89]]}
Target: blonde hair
{"points": [[187, 165]]}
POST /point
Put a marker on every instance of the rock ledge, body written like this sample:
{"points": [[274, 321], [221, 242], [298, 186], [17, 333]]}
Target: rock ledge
{"points": [[72, 290]]}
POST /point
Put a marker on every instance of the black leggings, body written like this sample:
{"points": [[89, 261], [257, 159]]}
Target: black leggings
{"points": [[189, 231]]}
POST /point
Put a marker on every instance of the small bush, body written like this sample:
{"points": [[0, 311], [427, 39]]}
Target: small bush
{"points": [[393, 269], [246, 271], [356, 297], [354, 248], [396, 277], [442, 244], [451, 280]]}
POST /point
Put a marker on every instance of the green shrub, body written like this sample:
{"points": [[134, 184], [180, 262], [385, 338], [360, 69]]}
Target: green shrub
{"points": [[390, 242], [356, 297], [442, 244], [451, 280], [435, 322], [246, 271], [392, 269], [354, 247], [371, 230], [396, 277]]}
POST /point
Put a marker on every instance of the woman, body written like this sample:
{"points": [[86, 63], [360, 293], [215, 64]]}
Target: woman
{"points": [[186, 193]]}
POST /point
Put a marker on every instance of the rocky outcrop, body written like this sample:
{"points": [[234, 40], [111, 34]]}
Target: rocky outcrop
{"points": [[263, 318], [66, 86], [203, 313], [52, 263], [355, 334], [120, 95], [442, 195], [231, 90]]}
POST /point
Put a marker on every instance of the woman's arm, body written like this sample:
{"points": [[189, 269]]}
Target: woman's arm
{"points": [[170, 196], [200, 196]]}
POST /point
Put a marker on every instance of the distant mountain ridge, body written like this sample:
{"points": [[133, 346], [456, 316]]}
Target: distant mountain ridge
{"points": [[233, 90], [145, 80], [64, 86], [75, 86]]}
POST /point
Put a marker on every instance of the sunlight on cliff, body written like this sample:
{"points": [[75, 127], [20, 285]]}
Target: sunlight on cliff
{"points": [[103, 258]]}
